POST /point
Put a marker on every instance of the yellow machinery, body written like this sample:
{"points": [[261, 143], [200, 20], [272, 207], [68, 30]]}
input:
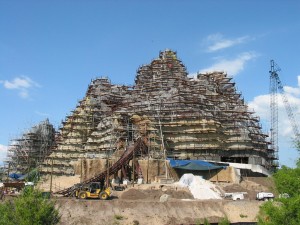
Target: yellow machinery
{"points": [[92, 190]]}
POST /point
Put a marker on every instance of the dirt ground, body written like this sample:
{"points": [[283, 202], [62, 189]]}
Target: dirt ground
{"points": [[154, 194], [141, 205], [251, 185], [118, 211]]}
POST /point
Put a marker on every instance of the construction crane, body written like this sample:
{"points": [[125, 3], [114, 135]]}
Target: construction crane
{"points": [[275, 86]]}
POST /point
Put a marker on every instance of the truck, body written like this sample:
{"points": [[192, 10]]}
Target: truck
{"points": [[264, 196], [235, 195]]}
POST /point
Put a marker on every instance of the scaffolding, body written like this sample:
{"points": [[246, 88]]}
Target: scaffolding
{"points": [[32, 148], [180, 117]]}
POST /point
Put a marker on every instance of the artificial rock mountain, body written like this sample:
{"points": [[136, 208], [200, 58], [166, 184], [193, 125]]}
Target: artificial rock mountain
{"points": [[180, 117]]}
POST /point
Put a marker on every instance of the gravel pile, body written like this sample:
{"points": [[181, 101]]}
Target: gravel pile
{"points": [[200, 188]]}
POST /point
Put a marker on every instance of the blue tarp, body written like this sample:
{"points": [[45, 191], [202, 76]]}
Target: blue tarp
{"points": [[15, 175], [23, 177], [193, 165], [18, 176]]}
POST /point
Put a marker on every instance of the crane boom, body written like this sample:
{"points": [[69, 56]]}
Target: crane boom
{"points": [[274, 108], [275, 85]]}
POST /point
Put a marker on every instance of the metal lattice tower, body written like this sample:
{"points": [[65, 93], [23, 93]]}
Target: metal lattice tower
{"points": [[275, 85]]}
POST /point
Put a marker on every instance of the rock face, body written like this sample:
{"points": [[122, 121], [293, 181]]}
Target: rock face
{"points": [[180, 117]]}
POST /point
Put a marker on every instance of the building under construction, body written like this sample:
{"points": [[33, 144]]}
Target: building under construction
{"points": [[32, 148], [177, 116]]}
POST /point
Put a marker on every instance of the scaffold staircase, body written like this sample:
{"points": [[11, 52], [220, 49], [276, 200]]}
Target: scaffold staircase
{"points": [[138, 146]]}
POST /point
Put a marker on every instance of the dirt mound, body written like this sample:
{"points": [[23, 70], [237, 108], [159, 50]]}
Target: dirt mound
{"points": [[263, 183], [234, 188], [239, 188], [251, 185], [128, 212], [180, 194], [137, 194], [132, 194]]}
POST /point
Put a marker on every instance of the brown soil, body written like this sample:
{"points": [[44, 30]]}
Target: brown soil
{"points": [[136, 194], [141, 205], [238, 188], [175, 211], [262, 183], [251, 185]]}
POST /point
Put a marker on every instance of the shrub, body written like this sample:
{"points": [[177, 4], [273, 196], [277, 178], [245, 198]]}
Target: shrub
{"points": [[224, 221], [30, 208], [206, 222], [118, 217], [283, 210]]}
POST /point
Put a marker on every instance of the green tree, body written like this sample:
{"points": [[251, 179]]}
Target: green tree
{"points": [[30, 208], [298, 163], [283, 210], [287, 180]]}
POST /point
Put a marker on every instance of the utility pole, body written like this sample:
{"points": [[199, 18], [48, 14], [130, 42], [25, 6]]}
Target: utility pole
{"points": [[81, 165], [107, 157], [148, 147], [133, 162], [51, 175], [147, 153], [107, 170], [8, 170], [163, 146]]}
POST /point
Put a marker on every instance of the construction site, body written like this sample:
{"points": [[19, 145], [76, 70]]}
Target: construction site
{"points": [[32, 148], [165, 125]]}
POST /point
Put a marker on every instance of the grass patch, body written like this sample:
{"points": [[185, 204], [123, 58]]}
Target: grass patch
{"points": [[119, 217], [136, 222]]}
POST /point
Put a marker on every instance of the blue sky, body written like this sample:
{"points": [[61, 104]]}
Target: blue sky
{"points": [[50, 50]]}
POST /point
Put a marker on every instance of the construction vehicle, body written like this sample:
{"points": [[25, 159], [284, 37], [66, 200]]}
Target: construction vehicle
{"points": [[235, 196], [92, 190], [265, 196]]}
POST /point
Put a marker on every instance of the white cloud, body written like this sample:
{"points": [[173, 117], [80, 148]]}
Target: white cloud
{"points": [[3, 153], [217, 42], [3, 148], [261, 106], [192, 75], [42, 114], [231, 66], [293, 90], [22, 84]]}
